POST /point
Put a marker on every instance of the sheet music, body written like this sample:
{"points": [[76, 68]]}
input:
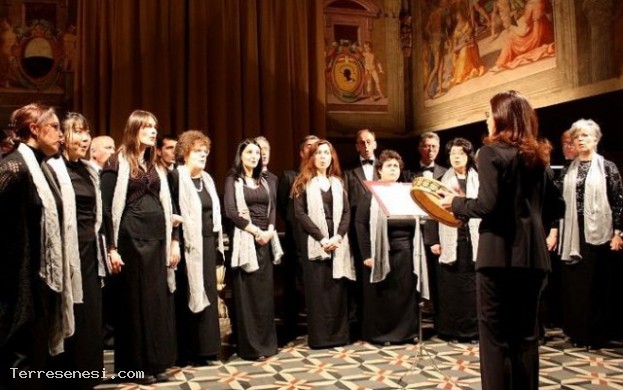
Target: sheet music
{"points": [[395, 199]]}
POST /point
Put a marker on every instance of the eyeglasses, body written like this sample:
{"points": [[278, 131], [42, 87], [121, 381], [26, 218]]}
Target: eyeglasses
{"points": [[365, 142]]}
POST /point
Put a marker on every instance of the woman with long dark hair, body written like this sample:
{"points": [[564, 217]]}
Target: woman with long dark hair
{"points": [[138, 223], [517, 201], [323, 214], [250, 206]]}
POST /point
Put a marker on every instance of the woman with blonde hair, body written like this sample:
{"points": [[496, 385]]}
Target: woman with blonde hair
{"points": [[138, 224], [323, 214], [591, 231]]}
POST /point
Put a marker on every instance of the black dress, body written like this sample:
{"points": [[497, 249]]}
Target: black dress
{"points": [[588, 285], [198, 334], [26, 302], [83, 350], [456, 283], [253, 292], [390, 307], [326, 297], [144, 323], [290, 271]]}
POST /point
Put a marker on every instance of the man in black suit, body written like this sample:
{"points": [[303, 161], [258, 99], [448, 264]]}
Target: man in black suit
{"points": [[428, 149], [365, 144], [271, 178], [293, 300]]}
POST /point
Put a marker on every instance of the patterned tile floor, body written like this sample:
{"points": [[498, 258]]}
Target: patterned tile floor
{"points": [[359, 366]]}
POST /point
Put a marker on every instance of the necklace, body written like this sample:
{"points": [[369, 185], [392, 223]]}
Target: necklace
{"points": [[200, 185]]}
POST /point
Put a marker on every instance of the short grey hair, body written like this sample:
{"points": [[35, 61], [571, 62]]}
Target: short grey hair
{"points": [[588, 125], [429, 135]]}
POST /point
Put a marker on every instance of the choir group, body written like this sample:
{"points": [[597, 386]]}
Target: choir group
{"points": [[148, 224]]}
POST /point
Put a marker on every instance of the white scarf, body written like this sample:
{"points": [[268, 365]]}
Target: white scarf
{"points": [[118, 205], [191, 210], [243, 253], [380, 265], [343, 263], [597, 212], [70, 222], [55, 268], [378, 234], [449, 235]]}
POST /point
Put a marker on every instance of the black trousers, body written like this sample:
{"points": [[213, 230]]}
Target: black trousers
{"points": [[508, 300]]}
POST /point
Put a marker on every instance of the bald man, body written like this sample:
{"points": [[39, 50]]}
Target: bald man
{"points": [[102, 147]]}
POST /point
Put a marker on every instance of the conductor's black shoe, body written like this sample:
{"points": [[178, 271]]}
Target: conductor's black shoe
{"points": [[148, 380], [162, 377]]}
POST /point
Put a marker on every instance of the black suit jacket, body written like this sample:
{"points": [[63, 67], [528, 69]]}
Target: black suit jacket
{"points": [[517, 205], [285, 205], [356, 187]]}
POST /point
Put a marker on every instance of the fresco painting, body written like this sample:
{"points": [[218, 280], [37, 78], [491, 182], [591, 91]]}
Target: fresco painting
{"points": [[469, 45]]}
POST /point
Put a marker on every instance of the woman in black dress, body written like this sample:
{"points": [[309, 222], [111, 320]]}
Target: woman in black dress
{"points": [[251, 208], [138, 221], [33, 281], [322, 212], [591, 232], [456, 318], [390, 296], [82, 204], [196, 200]]}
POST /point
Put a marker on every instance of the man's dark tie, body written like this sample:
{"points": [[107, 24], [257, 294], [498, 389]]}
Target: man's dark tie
{"points": [[430, 169], [364, 162]]}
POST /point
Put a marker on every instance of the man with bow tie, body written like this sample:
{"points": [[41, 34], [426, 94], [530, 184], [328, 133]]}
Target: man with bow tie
{"points": [[428, 148], [365, 144]]}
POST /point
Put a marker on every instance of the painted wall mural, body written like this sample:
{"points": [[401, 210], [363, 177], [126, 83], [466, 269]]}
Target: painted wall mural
{"points": [[38, 44], [468, 43], [356, 77]]}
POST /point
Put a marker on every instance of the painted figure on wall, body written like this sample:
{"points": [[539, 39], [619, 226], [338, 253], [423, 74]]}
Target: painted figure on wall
{"points": [[531, 40], [467, 41], [8, 44], [373, 69], [69, 40], [435, 36], [467, 62], [355, 57]]}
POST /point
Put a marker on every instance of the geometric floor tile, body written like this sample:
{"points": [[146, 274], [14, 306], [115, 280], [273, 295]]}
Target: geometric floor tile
{"points": [[438, 365]]}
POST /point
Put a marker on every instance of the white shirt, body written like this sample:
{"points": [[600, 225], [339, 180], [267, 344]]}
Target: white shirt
{"points": [[368, 169]]}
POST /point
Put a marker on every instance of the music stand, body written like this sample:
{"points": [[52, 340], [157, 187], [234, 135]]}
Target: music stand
{"points": [[396, 202]]}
